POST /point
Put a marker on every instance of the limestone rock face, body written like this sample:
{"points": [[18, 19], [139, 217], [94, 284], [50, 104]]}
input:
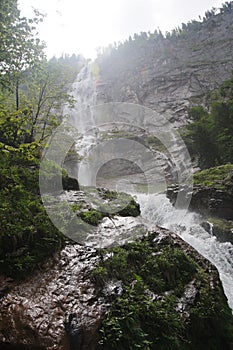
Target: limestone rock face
{"points": [[170, 75]]}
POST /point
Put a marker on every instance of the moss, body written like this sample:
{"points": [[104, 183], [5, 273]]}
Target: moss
{"points": [[92, 216], [218, 177], [211, 324], [131, 209], [155, 143], [145, 316]]}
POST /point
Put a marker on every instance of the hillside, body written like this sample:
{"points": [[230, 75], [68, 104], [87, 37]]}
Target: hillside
{"points": [[170, 74]]}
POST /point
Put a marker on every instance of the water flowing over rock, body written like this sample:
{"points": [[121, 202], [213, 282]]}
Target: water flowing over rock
{"points": [[206, 200], [188, 225]]}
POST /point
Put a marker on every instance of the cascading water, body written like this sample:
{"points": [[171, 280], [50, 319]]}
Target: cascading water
{"points": [[81, 117], [158, 209]]}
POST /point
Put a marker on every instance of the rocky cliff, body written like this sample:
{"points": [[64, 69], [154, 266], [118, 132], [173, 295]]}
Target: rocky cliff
{"points": [[170, 74]]}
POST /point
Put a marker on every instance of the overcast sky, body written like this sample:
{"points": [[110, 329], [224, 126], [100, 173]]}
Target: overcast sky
{"points": [[80, 26]]}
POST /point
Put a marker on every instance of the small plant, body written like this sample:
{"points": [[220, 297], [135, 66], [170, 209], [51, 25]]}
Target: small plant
{"points": [[92, 216]]}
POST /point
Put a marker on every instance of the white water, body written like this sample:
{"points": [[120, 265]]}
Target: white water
{"points": [[158, 209]]}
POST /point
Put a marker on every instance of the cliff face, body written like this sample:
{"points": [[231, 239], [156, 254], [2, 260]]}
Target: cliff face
{"points": [[170, 75]]}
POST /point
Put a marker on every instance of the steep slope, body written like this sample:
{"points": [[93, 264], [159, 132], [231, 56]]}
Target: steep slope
{"points": [[170, 74]]}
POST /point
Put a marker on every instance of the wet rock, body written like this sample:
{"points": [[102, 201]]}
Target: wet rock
{"points": [[74, 331], [221, 228], [206, 200], [188, 299], [34, 312], [70, 184], [8, 346]]}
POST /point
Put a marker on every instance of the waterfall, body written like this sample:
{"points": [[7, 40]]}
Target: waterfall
{"points": [[155, 207], [158, 209], [80, 118]]}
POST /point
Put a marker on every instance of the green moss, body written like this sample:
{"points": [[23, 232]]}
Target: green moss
{"points": [[214, 177], [76, 207], [99, 276], [222, 229], [155, 143], [145, 316], [92, 216], [221, 223], [211, 324]]}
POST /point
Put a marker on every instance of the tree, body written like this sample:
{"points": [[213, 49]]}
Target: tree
{"points": [[45, 92], [209, 136], [20, 47]]}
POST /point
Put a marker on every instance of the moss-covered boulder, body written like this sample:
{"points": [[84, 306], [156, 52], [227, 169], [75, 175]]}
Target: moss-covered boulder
{"points": [[98, 203], [212, 193], [163, 295], [70, 183]]}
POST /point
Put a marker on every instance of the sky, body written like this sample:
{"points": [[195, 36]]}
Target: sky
{"points": [[82, 26]]}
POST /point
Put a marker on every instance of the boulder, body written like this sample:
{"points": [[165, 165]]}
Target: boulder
{"points": [[209, 201]]}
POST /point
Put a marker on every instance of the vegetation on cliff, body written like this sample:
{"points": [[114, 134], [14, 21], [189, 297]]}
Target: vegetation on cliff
{"points": [[32, 91], [152, 310], [143, 39], [220, 177], [209, 136]]}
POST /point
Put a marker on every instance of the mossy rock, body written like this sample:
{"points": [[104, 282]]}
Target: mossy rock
{"points": [[132, 209], [222, 229], [92, 216], [220, 177], [169, 297], [70, 183]]}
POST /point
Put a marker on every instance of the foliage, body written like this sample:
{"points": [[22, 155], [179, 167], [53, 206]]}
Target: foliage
{"points": [[45, 91], [218, 177], [27, 236], [21, 49], [145, 316], [209, 136], [92, 216], [143, 39], [210, 319], [32, 91]]}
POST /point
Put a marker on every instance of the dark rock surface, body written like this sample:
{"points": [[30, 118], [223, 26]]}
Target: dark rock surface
{"points": [[70, 183], [221, 228], [208, 201]]}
